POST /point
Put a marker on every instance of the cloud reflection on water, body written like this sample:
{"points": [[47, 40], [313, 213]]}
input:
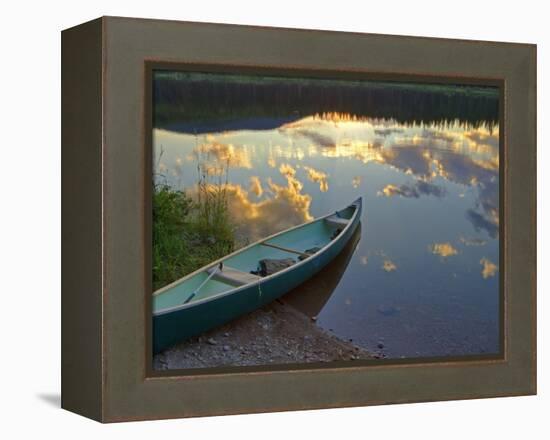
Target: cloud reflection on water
{"points": [[413, 191], [225, 153], [284, 207], [256, 186], [317, 177], [389, 266], [489, 269], [465, 157], [444, 250]]}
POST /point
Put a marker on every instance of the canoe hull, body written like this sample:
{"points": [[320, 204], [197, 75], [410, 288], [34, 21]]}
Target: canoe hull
{"points": [[178, 325]]}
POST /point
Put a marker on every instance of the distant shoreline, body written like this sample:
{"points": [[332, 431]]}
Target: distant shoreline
{"points": [[186, 96]]}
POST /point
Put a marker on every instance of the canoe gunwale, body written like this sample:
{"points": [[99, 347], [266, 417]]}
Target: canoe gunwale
{"points": [[231, 291]]}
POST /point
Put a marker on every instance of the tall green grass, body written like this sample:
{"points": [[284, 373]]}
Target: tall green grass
{"points": [[191, 231], [212, 209]]}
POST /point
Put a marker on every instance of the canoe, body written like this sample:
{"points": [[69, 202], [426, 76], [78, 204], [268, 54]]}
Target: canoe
{"points": [[235, 284]]}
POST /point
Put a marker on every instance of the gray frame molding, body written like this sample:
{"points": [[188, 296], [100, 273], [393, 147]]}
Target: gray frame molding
{"points": [[105, 183]]}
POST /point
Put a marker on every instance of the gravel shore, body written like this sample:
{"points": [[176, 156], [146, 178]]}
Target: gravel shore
{"points": [[275, 334]]}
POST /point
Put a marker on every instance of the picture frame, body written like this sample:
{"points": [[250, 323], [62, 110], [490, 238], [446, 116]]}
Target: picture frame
{"points": [[106, 219]]}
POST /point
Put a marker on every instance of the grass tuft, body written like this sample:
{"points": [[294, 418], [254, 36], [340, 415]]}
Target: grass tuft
{"points": [[189, 233]]}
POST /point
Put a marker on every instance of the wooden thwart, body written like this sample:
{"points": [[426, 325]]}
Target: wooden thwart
{"points": [[281, 248]]}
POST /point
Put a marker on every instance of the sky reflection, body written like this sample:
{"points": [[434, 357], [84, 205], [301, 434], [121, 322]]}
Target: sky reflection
{"points": [[429, 243]]}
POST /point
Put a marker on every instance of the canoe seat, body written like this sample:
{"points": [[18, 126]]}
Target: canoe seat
{"points": [[337, 221], [233, 276]]}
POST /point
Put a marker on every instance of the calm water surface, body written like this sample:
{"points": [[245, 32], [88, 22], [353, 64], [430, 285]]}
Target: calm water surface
{"points": [[421, 277]]}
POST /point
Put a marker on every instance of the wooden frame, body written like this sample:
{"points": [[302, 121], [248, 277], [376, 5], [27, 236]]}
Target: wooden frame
{"points": [[106, 372]]}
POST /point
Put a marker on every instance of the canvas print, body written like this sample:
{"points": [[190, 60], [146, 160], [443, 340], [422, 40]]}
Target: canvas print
{"points": [[301, 220]]}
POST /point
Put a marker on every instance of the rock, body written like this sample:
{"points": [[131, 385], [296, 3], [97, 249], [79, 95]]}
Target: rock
{"points": [[380, 345], [226, 348], [212, 341], [226, 334], [314, 318]]}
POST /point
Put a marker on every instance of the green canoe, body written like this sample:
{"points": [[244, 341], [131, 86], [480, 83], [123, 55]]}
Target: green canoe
{"points": [[249, 278]]}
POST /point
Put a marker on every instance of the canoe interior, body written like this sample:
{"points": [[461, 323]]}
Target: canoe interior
{"points": [[315, 234]]}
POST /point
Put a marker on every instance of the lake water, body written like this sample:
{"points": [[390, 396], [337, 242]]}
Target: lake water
{"points": [[422, 277]]}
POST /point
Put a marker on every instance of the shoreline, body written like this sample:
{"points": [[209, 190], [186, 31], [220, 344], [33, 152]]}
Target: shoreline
{"points": [[275, 334]]}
